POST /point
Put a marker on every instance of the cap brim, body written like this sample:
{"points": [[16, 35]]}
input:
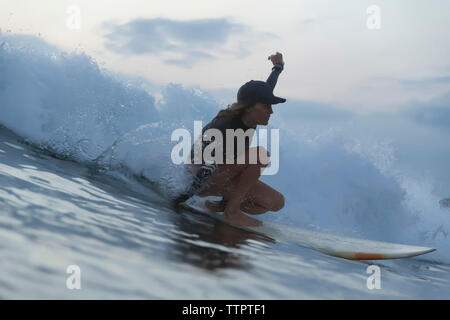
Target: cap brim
{"points": [[276, 100]]}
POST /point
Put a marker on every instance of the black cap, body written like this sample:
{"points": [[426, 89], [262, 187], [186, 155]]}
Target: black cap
{"points": [[258, 91]]}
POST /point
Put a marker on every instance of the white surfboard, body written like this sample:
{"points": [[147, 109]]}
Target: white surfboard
{"points": [[348, 248]]}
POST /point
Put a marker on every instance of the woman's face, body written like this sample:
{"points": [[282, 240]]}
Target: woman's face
{"points": [[260, 113]]}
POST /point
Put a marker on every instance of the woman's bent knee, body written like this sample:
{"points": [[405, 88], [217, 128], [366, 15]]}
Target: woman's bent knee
{"points": [[258, 156], [278, 203]]}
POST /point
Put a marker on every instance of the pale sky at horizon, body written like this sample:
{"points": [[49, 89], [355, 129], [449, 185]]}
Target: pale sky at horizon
{"points": [[331, 56]]}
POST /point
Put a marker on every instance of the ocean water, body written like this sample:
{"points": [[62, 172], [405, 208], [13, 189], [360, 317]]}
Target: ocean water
{"points": [[86, 180]]}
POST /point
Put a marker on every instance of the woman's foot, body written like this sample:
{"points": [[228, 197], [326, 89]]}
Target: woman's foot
{"points": [[240, 219], [216, 206]]}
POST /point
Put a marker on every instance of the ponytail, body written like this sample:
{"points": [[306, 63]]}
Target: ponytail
{"points": [[236, 108]]}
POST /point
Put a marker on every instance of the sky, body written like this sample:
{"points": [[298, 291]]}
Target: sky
{"points": [[333, 54]]}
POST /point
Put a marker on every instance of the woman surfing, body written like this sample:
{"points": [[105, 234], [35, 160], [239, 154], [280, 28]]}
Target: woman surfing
{"points": [[238, 182]]}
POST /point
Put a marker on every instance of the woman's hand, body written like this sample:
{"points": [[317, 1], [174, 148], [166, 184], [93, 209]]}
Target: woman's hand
{"points": [[276, 58]]}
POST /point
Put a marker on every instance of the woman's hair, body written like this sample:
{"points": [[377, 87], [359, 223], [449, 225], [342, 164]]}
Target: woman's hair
{"points": [[236, 108]]}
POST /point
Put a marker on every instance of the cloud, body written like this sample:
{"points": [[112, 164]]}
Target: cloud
{"points": [[190, 41], [313, 23], [186, 62], [435, 112], [308, 21], [425, 81], [307, 24], [305, 110]]}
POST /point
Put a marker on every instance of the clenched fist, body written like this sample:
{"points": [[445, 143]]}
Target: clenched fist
{"points": [[276, 58]]}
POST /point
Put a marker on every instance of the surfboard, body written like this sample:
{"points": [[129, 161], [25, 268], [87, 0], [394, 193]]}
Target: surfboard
{"points": [[333, 245]]}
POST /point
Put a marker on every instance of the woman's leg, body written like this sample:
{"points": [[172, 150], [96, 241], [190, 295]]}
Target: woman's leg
{"points": [[238, 183], [237, 195], [262, 198]]}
